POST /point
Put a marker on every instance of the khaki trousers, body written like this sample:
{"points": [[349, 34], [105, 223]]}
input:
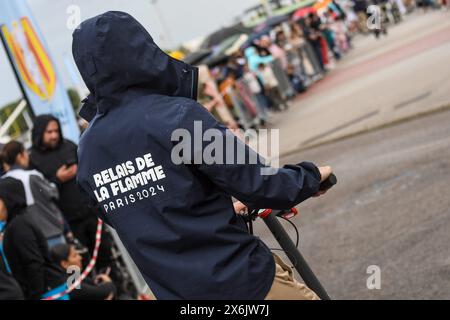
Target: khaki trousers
{"points": [[285, 287]]}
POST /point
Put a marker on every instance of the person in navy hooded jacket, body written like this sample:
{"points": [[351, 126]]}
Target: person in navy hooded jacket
{"points": [[176, 218]]}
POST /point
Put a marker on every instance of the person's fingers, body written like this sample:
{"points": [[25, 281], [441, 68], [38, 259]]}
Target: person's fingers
{"points": [[73, 169], [239, 207], [325, 172]]}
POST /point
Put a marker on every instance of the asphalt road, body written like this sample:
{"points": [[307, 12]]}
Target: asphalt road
{"points": [[391, 209]]}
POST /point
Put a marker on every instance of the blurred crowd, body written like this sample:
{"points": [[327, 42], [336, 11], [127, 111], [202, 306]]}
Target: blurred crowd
{"points": [[47, 226], [275, 63], [271, 69]]}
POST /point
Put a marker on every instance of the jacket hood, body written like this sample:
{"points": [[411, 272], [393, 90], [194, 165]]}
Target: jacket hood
{"points": [[13, 195], [39, 126], [115, 54]]}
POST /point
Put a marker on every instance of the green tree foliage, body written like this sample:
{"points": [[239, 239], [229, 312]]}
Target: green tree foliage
{"points": [[75, 99]]}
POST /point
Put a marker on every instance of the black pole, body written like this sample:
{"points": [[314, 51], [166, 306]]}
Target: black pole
{"points": [[295, 256], [16, 73]]}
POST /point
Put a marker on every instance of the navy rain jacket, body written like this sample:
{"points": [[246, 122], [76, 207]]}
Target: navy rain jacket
{"points": [[176, 220]]}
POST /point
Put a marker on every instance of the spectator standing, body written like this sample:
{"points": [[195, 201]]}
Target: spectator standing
{"points": [[25, 246], [57, 159], [40, 193], [275, 51]]}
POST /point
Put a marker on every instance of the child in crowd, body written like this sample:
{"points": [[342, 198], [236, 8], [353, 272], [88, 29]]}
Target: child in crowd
{"points": [[296, 82]]}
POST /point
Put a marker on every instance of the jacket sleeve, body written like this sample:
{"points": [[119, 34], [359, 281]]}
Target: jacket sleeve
{"points": [[246, 181], [45, 187]]}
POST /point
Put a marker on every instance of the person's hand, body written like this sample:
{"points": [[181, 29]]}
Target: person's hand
{"points": [[325, 173], [102, 278], [69, 236], [240, 208], [66, 173]]}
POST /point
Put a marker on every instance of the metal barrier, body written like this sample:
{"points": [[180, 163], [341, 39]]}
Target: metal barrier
{"points": [[284, 84], [261, 109], [245, 119], [131, 268], [307, 52]]}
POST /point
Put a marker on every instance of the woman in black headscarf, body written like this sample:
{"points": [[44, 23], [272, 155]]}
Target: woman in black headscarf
{"points": [[12, 199], [24, 244]]}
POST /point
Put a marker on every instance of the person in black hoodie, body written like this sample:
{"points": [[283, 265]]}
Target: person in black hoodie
{"points": [[176, 218], [12, 199], [25, 245], [56, 158], [9, 288]]}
